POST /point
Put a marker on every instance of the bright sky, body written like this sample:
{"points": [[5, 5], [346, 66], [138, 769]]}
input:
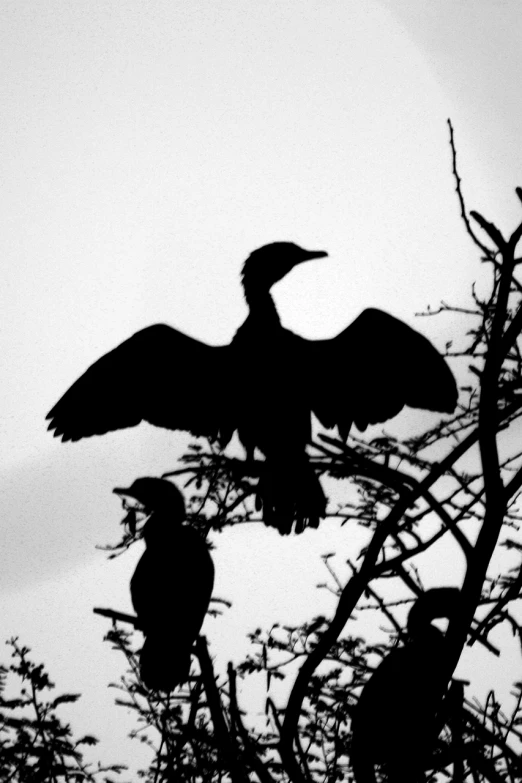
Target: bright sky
{"points": [[147, 148]]}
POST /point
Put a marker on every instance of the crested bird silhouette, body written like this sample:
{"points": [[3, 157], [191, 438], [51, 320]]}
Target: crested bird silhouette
{"points": [[264, 385], [400, 712], [172, 584]]}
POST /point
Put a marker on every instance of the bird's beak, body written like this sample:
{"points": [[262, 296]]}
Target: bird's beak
{"points": [[121, 491], [311, 254]]}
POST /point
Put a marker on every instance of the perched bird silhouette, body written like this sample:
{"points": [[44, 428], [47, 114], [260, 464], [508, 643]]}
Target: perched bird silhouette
{"points": [[399, 714], [264, 385], [172, 584]]}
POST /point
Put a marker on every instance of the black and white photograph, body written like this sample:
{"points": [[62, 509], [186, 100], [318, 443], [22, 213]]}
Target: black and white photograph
{"points": [[261, 391]]}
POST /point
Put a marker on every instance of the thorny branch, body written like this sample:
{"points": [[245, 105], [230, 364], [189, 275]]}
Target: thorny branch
{"points": [[459, 479]]}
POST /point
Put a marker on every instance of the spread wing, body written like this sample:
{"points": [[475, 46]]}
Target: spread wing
{"points": [[377, 365], [158, 375]]}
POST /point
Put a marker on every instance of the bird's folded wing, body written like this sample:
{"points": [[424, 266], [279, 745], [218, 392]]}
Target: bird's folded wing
{"points": [[372, 369], [158, 375]]}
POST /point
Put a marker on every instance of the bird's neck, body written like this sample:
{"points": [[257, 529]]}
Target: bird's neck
{"points": [[261, 305], [159, 529]]}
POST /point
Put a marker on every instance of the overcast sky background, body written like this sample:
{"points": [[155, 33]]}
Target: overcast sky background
{"points": [[147, 148]]}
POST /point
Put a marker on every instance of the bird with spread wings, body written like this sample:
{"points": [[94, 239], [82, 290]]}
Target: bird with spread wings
{"points": [[264, 385]]}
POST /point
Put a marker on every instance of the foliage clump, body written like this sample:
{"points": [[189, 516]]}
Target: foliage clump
{"points": [[36, 745]]}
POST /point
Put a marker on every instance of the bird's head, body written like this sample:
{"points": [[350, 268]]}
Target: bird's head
{"points": [[270, 263], [148, 495], [439, 602]]}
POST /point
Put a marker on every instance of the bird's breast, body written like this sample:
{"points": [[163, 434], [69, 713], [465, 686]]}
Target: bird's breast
{"points": [[272, 402]]}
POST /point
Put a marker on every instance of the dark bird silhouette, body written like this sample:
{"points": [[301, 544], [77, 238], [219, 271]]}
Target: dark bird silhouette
{"points": [[400, 712], [264, 385], [172, 584]]}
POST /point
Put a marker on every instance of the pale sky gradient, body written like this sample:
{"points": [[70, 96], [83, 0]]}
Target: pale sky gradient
{"points": [[147, 148]]}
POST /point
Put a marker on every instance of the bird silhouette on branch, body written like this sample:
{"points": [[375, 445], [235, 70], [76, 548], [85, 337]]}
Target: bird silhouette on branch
{"points": [[401, 709], [172, 584], [264, 385]]}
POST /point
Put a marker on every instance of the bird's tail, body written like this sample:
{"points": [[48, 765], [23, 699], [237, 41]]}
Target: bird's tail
{"points": [[290, 495], [163, 663]]}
